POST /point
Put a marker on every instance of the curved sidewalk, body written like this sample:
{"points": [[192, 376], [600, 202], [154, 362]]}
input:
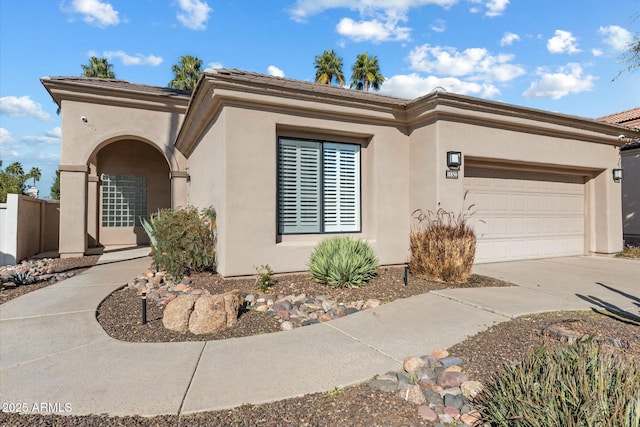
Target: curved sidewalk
{"points": [[53, 351]]}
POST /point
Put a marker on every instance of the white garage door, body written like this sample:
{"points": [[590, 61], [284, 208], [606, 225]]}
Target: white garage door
{"points": [[526, 215]]}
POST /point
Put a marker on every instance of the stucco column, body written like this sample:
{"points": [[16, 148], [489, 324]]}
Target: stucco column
{"points": [[608, 213], [73, 210], [179, 189], [92, 210]]}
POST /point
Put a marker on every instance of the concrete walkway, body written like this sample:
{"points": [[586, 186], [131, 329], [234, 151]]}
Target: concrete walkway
{"points": [[53, 351]]}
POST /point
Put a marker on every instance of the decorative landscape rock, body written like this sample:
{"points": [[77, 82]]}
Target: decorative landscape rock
{"points": [[447, 402], [297, 310], [35, 270], [178, 312], [212, 313], [470, 389], [413, 366]]}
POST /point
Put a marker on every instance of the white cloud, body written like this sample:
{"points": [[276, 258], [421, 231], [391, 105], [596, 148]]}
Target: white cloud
{"points": [[616, 37], [476, 63], [22, 106], [213, 66], [597, 52], [508, 39], [95, 12], [5, 137], [496, 7], [193, 13], [562, 42], [374, 30], [6, 146], [305, 8], [137, 59], [56, 132], [440, 26], [50, 158], [275, 71], [567, 80], [413, 86], [493, 7], [40, 138]]}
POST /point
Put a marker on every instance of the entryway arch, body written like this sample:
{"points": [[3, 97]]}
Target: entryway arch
{"points": [[132, 180]]}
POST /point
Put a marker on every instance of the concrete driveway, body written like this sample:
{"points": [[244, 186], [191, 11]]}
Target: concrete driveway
{"points": [[571, 283]]}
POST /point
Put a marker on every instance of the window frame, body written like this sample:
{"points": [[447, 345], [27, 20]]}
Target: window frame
{"points": [[321, 178]]}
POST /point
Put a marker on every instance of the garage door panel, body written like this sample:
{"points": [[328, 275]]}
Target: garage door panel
{"points": [[527, 215]]}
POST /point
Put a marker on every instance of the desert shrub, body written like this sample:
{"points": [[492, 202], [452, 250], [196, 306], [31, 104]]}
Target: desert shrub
{"points": [[442, 245], [580, 385], [342, 262], [185, 240], [22, 278], [264, 278]]}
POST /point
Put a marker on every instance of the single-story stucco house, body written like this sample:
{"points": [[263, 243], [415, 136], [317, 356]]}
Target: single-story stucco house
{"points": [[630, 161], [286, 163]]}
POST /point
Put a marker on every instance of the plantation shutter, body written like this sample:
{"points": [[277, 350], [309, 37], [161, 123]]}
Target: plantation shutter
{"points": [[341, 182], [299, 174]]}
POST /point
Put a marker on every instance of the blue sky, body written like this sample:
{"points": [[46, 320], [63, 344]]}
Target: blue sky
{"points": [[560, 56]]}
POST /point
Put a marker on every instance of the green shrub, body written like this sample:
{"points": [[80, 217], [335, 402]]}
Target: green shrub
{"points": [[22, 279], [342, 262], [580, 385], [442, 245], [185, 240], [264, 278]]}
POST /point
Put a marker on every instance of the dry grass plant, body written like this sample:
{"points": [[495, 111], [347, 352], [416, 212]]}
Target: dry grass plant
{"points": [[443, 245]]}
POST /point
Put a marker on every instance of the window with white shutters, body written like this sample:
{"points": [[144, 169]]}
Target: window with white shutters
{"points": [[318, 187]]}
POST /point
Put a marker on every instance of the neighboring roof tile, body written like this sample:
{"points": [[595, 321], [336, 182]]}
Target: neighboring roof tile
{"points": [[622, 117], [631, 145]]}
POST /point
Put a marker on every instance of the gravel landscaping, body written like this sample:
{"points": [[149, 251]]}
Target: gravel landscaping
{"points": [[120, 314], [482, 355], [45, 272]]}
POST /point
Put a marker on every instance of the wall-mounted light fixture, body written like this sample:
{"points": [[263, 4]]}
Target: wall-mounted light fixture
{"points": [[617, 175], [454, 159]]}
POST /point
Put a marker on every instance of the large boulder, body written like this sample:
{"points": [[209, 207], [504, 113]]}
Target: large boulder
{"points": [[177, 313], [212, 313]]}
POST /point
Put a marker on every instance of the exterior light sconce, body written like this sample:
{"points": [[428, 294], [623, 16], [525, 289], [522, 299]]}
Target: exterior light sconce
{"points": [[617, 175], [454, 159]]}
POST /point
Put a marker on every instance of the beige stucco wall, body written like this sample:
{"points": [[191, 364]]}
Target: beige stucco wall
{"points": [[631, 192], [107, 123], [233, 168], [87, 142], [30, 211], [28, 227]]}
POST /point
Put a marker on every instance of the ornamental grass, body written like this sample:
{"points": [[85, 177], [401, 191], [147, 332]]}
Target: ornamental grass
{"points": [[443, 246]]}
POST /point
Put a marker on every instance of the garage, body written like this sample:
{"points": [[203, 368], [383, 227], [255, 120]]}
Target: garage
{"points": [[525, 215]]}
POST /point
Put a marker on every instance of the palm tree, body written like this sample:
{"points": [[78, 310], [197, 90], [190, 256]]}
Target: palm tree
{"points": [[186, 73], [55, 187], [15, 169], [328, 67], [366, 73], [36, 174], [99, 68]]}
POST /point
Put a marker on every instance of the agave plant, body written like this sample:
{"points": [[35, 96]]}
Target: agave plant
{"points": [[342, 262], [22, 278]]}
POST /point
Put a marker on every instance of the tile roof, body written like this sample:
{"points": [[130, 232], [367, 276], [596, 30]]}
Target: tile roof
{"points": [[622, 117], [121, 84], [295, 85], [631, 145]]}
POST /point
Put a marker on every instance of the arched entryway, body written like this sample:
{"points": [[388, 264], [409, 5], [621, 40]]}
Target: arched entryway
{"points": [[133, 181]]}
